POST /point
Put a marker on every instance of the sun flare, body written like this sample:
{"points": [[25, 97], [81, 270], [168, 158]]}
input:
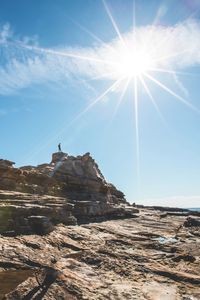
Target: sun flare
{"points": [[133, 63]]}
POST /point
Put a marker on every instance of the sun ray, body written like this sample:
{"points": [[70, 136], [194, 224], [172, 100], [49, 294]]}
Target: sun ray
{"points": [[65, 127], [165, 58], [134, 16], [181, 99], [152, 99], [94, 36], [111, 88], [172, 72], [114, 23], [137, 131], [135, 60], [85, 83], [121, 97], [64, 54]]}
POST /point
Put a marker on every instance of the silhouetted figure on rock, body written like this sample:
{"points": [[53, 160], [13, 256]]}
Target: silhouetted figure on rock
{"points": [[59, 147]]}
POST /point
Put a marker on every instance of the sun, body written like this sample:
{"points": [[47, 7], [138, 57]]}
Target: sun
{"points": [[130, 62], [133, 63]]}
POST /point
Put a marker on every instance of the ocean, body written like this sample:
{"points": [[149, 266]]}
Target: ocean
{"points": [[194, 208]]}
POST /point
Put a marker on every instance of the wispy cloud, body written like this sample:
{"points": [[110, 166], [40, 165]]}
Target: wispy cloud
{"points": [[23, 62], [5, 33], [162, 10]]}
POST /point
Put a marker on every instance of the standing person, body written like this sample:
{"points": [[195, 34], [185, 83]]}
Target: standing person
{"points": [[59, 147]]}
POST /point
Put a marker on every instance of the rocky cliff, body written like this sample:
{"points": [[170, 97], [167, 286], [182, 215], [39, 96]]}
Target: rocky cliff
{"points": [[67, 190], [78, 178]]}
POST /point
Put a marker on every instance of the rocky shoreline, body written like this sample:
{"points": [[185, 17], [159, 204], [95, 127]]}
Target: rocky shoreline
{"points": [[65, 233], [148, 257]]}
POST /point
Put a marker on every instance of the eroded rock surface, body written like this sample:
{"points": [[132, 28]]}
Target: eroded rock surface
{"points": [[69, 190], [23, 213], [77, 178], [146, 258], [151, 254]]}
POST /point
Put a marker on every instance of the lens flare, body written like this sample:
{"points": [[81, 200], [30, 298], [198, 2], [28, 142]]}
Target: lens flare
{"points": [[133, 63]]}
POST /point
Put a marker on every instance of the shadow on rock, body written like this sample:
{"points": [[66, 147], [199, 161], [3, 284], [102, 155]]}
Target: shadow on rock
{"points": [[38, 292]]}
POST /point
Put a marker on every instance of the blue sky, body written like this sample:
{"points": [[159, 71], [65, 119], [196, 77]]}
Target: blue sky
{"points": [[57, 59]]}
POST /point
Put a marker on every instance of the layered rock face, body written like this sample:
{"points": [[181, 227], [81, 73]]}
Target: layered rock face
{"points": [[152, 257], [22, 213], [147, 258], [68, 190], [78, 178]]}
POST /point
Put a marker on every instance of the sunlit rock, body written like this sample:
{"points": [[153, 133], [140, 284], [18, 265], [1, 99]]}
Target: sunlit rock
{"points": [[67, 190]]}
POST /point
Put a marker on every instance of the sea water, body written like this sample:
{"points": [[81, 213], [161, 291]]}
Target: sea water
{"points": [[194, 208]]}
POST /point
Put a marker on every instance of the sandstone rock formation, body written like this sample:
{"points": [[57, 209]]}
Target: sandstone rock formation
{"points": [[78, 178], [69, 190], [140, 258], [152, 257]]}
